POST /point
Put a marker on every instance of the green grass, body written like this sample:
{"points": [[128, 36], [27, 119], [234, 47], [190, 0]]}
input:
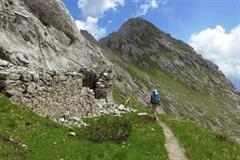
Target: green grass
{"points": [[10, 151], [202, 144], [183, 96], [108, 128], [47, 140]]}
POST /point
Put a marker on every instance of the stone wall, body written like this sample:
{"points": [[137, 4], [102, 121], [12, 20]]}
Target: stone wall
{"points": [[60, 95]]}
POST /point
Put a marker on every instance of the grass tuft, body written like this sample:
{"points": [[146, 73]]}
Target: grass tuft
{"points": [[108, 128]]}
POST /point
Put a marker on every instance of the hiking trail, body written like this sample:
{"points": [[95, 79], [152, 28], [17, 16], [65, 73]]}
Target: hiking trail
{"points": [[174, 149]]}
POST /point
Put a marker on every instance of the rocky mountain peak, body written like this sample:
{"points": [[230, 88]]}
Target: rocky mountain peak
{"points": [[137, 25], [154, 59], [135, 28], [139, 41]]}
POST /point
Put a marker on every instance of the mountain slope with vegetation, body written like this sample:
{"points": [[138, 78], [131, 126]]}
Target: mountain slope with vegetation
{"points": [[44, 139], [191, 86]]}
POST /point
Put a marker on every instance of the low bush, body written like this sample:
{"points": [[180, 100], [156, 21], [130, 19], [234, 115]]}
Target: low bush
{"points": [[108, 128]]}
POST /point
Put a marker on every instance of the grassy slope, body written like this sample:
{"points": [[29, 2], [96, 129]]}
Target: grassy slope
{"points": [[202, 144], [182, 95], [48, 140]]}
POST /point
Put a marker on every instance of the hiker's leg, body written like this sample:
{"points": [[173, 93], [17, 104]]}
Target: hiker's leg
{"points": [[155, 112], [153, 106]]}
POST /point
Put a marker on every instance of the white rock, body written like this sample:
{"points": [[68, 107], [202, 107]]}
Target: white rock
{"points": [[72, 134], [121, 108], [61, 120], [24, 146], [76, 119], [142, 114], [3, 63], [133, 110], [117, 112], [105, 74]]}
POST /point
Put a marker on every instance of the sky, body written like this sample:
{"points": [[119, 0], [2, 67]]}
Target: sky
{"points": [[211, 27]]}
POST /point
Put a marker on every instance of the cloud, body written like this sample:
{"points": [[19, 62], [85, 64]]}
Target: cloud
{"points": [[91, 25], [149, 4], [93, 11], [109, 22], [221, 47], [96, 8]]}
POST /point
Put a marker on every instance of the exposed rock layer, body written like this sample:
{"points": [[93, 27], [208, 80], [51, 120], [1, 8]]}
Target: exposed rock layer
{"points": [[39, 33]]}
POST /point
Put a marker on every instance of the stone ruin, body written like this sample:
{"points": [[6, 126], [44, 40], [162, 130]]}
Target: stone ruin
{"points": [[62, 96]]}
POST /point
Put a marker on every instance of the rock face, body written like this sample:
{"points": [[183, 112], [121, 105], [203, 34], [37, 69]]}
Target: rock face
{"points": [[138, 40], [191, 86], [41, 33]]}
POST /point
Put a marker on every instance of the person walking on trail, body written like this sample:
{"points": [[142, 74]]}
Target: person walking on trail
{"points": [[155, 100]]}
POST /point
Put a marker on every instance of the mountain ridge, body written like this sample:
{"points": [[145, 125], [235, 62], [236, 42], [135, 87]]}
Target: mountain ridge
{"points": [[192, 86]]}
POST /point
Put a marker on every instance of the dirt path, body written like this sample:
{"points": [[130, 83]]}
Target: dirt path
{"points": [[175, 151]]}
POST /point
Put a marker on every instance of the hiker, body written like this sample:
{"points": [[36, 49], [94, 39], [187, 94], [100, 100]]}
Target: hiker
{"points": [[155, 99]]}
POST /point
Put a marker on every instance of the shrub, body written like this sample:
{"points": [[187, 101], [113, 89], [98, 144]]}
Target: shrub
{"points": [[108, 128]]}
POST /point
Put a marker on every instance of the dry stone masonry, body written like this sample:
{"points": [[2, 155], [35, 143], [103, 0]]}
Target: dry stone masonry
{"points": [[63, 96]]}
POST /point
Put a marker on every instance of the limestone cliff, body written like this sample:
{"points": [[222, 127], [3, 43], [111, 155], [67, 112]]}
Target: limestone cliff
{"points": [[41, 33]]}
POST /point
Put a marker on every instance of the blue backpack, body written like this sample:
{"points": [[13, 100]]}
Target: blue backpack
{"points": [[155, 98]]}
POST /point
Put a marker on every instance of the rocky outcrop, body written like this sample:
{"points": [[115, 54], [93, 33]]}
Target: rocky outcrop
{"points": [[60, 18], [41, 33], [60, 95]]}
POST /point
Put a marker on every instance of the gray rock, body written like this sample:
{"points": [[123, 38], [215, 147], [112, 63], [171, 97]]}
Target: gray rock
{"points": [[31, 88], [3, 63], [45, 30], [35, 77], [3, 75], [26, 77], [46, 78], [14, 76], [100, 85]]}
